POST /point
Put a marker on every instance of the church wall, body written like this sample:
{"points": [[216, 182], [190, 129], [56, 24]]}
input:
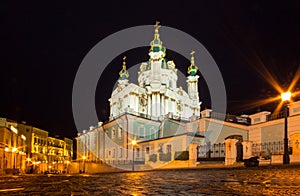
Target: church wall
{"points": [[170, 128], [214, 134], [293, 124], [272, 133]]}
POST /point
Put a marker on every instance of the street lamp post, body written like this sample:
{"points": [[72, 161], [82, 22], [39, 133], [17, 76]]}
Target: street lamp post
{"points": [[83, 157], [285, 97], [133, 142], [14, 152]]}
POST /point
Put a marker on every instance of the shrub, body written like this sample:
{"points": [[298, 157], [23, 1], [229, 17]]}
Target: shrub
{"points": [[181, 155], [165, 157], [153, 158]]}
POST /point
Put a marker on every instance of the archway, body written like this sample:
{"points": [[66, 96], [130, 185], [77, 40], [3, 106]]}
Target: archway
{"points": [[239, 146]]}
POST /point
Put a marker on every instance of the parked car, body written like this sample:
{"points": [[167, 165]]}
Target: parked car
{"points": [[251, 162]]}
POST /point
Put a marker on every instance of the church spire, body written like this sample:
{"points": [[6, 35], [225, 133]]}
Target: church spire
{"points": [[124, 73], [192, 70], [156, 43]]}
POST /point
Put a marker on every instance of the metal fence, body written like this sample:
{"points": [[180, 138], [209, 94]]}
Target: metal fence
{"points": [[211, 151], [267, 149]]}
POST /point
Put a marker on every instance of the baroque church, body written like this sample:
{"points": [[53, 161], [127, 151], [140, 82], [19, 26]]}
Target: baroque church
{"points": [[157, 93], [156, 113]]}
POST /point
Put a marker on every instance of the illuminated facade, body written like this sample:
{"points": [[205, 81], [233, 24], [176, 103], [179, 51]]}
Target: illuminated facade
{"points": [[161, 116], [37, 151], [157, 93], [12, 148]]}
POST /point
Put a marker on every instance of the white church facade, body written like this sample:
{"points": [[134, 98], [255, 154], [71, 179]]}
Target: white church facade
{"points": [[156, 113]]}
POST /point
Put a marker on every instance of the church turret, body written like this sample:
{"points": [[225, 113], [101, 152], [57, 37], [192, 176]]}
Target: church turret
{"points": [[156, 96], [157, 51], [192, 81], [124, 75]]}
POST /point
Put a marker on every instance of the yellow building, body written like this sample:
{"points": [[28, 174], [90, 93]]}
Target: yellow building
{"points": [[29, 149], [12, 148]]}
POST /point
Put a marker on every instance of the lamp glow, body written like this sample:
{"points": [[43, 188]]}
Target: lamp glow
{"points": [[14, 129], [83, 157], [133, 142], [286, 96], [23, 137]]}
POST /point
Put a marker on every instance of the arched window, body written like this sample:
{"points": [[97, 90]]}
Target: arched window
{"points": [[141, 133], [120, 132], [113, 133]]}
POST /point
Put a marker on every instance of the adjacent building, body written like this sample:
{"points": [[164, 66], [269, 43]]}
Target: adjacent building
{"points": [[24, 148]]}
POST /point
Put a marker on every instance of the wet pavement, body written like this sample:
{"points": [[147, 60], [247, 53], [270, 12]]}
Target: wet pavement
{"points": [[268, 180]]}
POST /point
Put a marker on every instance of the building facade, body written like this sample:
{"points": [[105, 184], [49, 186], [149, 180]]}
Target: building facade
{"points": [[156, 113], [28, 149], [12, 147]]}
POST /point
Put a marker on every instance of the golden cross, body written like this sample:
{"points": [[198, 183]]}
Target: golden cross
{"points": [[157, 25], [193, 52]]}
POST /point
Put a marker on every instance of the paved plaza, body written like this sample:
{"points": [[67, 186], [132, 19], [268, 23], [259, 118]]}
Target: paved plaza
{"points": [[267, 180]]}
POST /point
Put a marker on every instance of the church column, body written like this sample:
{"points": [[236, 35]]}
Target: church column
{"points": [[131, 100], [149, 104], [136, 98], [166, 105], [173, 106], [162, 104], [153, 104], [110, 111], [158, 104]]}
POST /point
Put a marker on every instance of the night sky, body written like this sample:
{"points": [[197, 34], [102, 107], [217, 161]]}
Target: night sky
{"points": [[43, 44]]}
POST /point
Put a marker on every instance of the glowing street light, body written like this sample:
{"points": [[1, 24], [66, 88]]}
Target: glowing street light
{"points": [[286, 97], [133, 143], [83, 158]]}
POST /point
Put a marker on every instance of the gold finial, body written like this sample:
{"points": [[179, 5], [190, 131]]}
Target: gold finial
{"points": [[124, 62], [192, 57], [192, 53], [192, 70], [124, 73], [157, 25]]}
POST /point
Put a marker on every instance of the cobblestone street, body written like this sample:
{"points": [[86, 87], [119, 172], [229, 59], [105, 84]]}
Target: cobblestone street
{"points": [[275, 180]]}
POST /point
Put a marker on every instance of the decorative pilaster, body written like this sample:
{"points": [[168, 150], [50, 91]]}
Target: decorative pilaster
{"points": [[153, 106], [149, 105], [166, 105], [158, 104], [162, 104], [136, 103]]}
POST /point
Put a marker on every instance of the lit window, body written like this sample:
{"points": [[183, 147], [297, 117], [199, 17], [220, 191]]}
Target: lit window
{"points": [[113, 133], [168, 148], [141, 132], [120, 132]]}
